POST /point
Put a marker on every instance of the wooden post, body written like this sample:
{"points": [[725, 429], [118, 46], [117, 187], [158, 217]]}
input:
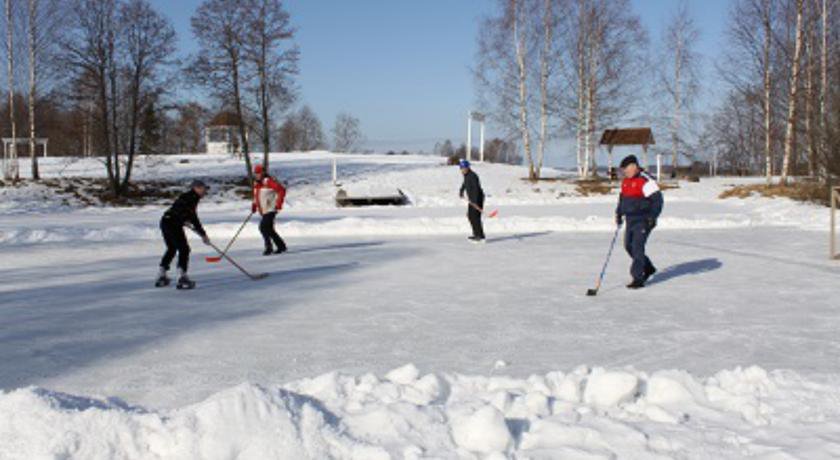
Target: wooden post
{"points": [[469, 137], [659, 167], [481, 141], [610, 162], [835, 198], [645, 156]]}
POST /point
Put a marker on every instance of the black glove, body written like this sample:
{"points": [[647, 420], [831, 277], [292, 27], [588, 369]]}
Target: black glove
{"points": [[619, 220], [651, 223]]}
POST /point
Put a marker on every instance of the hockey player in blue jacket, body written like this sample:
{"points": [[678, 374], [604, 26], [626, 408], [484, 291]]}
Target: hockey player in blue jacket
{"points": [[640, 204]]}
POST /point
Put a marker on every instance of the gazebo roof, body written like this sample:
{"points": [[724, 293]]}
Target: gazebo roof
{"points": [[224, 118], [629, 136]]}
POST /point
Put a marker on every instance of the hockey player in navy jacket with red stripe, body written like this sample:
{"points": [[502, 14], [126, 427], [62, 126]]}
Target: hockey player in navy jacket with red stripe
{"points": [[640, 204]]}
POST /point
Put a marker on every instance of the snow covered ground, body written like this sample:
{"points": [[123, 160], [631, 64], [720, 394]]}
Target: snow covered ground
{"points": [[731, 352]]}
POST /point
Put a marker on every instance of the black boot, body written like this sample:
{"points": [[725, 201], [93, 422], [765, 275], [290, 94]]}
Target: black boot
{"points": [[268, 252], [636, 284], [184, 282], [650, 270], [162, 279]]}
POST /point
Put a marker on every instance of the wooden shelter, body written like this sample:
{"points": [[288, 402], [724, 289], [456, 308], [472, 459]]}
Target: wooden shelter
{"points": [[222, 134], [625, 137]]}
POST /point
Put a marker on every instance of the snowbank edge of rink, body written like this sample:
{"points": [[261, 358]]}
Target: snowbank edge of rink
{"points": [[585, 413], [408, 226]]}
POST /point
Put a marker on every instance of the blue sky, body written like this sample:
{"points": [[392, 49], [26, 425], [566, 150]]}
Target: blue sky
{"points": [[403, 66]]}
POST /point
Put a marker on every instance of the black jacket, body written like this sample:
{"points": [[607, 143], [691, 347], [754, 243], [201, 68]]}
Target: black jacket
{"points": [[472, 187], [183, 212]]}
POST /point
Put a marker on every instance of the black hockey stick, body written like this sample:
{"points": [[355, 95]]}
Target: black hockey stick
{"points": [[594, 292], [254, 277], [215, 259]]}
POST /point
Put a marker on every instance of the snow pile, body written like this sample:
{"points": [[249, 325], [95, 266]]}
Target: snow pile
{"points": [[587, 413]]}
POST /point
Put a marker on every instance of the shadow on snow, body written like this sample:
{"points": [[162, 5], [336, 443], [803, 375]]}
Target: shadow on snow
{"points": [[48, 331], [694, 267]]}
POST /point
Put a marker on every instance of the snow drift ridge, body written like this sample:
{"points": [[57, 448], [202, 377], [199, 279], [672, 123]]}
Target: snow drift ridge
{"points": [[586, 413]]}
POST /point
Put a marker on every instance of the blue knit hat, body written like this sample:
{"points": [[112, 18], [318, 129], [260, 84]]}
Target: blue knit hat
{"points": [[463, 164]]}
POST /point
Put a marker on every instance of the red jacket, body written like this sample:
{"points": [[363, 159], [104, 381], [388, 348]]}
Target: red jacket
{"points": [[269, 195], [640, 197]]}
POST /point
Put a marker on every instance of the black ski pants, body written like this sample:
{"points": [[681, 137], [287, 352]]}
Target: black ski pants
{"points": [[474, 216], [635, 239], [176, 242], [269, 234]]}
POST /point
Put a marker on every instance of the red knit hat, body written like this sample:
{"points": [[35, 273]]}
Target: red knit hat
{"points": [[258, 169]]}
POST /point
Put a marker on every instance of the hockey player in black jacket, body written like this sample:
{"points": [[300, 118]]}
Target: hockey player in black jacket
{"points": [[182, 213], [472, 188]]}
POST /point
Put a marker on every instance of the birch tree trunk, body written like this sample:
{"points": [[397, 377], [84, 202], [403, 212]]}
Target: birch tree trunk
{"points": [[548, 22], [11, 171], [675, 126], [524, 129], [768, 88], [240, 114], [790, 132], [810, 133], [590, 121], [581, 91], [823, 146], [594, 45], [33, 16]]}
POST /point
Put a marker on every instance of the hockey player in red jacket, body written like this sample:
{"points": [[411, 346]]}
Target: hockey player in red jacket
{"points": [[269, 195], [640, 204]]}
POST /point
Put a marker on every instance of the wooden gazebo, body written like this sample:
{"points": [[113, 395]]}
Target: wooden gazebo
{"points": [[624, 137], [222, 134]]}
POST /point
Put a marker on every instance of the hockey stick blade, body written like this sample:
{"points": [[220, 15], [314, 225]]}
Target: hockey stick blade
{"points": [[494, 213], [259, 276], [217, 259]]}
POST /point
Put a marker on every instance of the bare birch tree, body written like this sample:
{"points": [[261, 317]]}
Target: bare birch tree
{"points": [[810, 115], [115, 52], [11, 170], [515, 73], [608, 42], [680, 77], [45, 25], [545, 53], [32, 23], [767, 21], [793, 93], [347, 133], [219, 28], [91, 56], [269, 51], [520, 35], [823, 95], [147, 41], [749, 63]]}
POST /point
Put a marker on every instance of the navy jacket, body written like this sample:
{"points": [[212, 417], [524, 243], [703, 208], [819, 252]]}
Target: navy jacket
{"points": [[640, 198], [472, 187]]}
